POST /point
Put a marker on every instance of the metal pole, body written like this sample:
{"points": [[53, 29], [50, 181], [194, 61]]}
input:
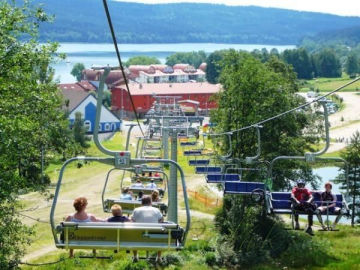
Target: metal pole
{"points": [[165, 139], [173, 181]]}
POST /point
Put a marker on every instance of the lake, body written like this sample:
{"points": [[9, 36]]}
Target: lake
{"points": [[104, 53]]}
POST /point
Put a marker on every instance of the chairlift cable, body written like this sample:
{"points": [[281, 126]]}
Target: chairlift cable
{"points": [[43, 264], [120, 63], [289, 111]]}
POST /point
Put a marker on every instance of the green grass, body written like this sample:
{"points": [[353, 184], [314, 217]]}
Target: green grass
{"points": [[352, 122], [329, 84]]}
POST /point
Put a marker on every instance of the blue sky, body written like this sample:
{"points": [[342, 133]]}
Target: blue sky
{"points": [[343, 7]]}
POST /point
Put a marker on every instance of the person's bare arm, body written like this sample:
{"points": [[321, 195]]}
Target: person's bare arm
{"points": [[333, 202], [68, 218], [310, 198], [95, 219], [294, 198]]}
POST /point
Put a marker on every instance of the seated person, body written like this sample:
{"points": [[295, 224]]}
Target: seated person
{"points": [[147, 214], [140, 195], [157, 174], [302, 201], [155, 196], [116, 211], [138, 184], [328, 203], [81, 215], [151, 185], [126, 195]]}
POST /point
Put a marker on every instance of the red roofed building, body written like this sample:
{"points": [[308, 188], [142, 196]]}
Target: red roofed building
{"points": [[114, 78], [142, 95], [79, 86], [203, 67]]}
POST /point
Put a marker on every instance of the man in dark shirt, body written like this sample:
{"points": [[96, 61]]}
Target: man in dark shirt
{"points": [[117, 214], [302, 201]]}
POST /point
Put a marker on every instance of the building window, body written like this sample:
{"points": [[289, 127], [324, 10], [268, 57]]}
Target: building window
{"points": [[107, 126], [87, 125]]}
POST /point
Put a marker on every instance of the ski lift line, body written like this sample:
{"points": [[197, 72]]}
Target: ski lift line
{"points": [[291, 110], [120, 61]]}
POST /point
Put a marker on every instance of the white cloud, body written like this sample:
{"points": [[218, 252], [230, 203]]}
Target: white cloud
{"points": [[344, 7]]}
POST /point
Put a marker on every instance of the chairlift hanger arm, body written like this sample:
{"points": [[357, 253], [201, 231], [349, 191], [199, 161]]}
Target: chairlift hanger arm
{"points": [[310, 156], [230, 151]]}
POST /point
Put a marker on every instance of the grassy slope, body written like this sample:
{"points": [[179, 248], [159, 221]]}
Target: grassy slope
{"points": [[329, 84], [344, 244]]}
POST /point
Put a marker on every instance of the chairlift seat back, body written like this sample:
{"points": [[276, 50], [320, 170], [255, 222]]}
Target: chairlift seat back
{"points": [[129, 206], [242, 188], [147, 179], [218, 178], [146, 191], [196, 162], [187, 143], [193, 153], [120, 236], [208, 169]]}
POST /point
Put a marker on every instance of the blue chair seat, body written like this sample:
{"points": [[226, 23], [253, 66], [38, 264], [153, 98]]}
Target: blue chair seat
{"points": [[192, 153], [216, 178], [187, 143], [242, 188], [206, 170], [196, 162]]}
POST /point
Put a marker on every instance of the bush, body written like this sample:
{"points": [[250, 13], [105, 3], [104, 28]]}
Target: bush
{"points": [[173, 259], [250, 237], [140, 265], [305, 251], [210, 258]]}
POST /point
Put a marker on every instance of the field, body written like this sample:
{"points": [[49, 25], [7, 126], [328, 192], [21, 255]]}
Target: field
{"points": [[330, 84]]}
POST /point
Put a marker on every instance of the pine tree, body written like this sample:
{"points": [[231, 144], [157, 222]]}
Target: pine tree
{"points": [[351, 65], [80, 131], [352, 156]]}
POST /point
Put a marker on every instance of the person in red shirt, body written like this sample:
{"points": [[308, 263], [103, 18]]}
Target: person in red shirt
{"points": [[302, 202]]}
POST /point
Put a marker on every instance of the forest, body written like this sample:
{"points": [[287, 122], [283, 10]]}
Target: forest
{"points": [[85, 21]]}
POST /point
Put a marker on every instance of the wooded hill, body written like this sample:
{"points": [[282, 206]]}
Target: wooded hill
{"points": [[84, 21]]}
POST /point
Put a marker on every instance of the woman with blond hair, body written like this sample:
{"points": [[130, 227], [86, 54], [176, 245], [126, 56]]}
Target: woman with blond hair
{"points": [[155, 196], [81, 215]]}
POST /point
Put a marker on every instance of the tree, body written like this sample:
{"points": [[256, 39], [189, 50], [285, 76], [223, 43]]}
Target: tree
{"points": [[352, 156], [301, 61], [80, 131], [142, 60], [77, 71], [192, 58], [213, 67], [352, 64], [327, 64], [31, 119], [253, 91]]}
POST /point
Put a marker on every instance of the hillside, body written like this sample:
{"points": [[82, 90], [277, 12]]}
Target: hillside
{"points": [[84, 21], [347, 36]]}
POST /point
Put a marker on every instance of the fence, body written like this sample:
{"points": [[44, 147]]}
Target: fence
{"points": [[205, 200]]}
